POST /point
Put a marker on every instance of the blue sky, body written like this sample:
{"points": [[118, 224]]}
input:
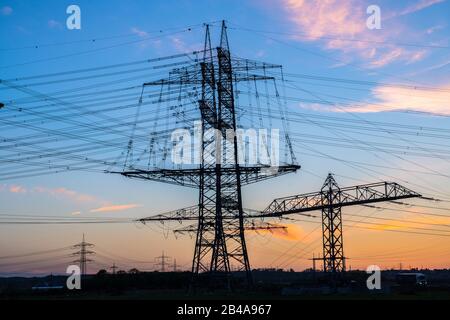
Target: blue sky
{"points": [[307, 38]]}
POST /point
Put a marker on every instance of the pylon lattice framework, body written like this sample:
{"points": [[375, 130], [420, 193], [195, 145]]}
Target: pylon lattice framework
{"points": [[83, 253], [220, 230]]}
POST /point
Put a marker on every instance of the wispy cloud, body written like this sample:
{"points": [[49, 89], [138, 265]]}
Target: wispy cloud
{"points": [[396, 53], [53, 24], [420, 5], [75, 196], [117, 207], [17, 189], [13, 188], [395, 98], [6, 10], [437, 66], [144, 35], [67, 193], [139, 32], [433, 29], [80, 199], [324, 18], [413, 220], [390, 98], [181, 46], [340, 24]]}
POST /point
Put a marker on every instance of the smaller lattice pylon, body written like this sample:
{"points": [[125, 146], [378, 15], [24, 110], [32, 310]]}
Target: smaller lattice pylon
{"points": [[83, 253]]}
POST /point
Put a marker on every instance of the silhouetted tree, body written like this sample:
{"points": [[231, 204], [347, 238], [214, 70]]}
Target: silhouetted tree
{"points": [[102, 272]]}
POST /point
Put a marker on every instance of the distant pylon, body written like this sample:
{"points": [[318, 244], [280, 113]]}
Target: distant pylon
{"points": [[174, 265], [83, 254], [114, 268], [314, 259], [163, 261]]}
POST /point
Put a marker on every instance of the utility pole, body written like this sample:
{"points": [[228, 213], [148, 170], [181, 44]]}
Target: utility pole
{"points": [[163, 260], [174, 265], [83, 253]]}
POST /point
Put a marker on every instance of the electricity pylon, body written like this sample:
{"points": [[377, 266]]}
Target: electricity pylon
{"points": [[330, 200], [163, 260], [221, 223], [83, 254]]}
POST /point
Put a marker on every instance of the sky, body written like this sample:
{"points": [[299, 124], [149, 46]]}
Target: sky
{"points": [[384, 92]]}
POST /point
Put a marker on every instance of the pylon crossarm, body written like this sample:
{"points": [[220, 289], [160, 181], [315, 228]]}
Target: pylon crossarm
{"points": [[85, 251], [354, 195], [375, 192], [191, 74], [241, 64], [184, 214], [248, 226], [190, 214], [85, 244], [183, 177], [191, 177]]}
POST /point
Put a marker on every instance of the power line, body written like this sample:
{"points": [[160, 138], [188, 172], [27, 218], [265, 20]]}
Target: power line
{"points": [[323, 56], [29, 254], [93, 50], [308, 36], [162, 261]]}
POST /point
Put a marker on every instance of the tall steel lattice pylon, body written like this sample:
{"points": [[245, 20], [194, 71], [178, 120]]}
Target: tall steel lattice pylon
{"points": [[220, 231], [220, 190], [333, 244]]}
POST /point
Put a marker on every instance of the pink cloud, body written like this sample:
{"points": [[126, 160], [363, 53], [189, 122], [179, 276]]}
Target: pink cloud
{"points": [[339, 25], [387, 58], [417, 56], [17, 189], [119, 207], [389, 98], [395, 98], [71, 194], [322, 18]]}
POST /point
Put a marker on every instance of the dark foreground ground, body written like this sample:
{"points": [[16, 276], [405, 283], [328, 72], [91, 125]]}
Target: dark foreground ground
{"points": [[269, 285]]}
